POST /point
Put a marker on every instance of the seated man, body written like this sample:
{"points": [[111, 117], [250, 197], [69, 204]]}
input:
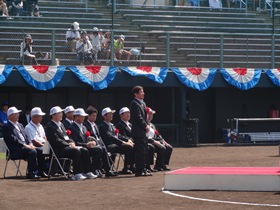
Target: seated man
{"points": [[67, 122], [115, 142], [82, 138], [20, 147], [162, 148], [107, 162], [63, 146], [119, 48], [36, 133], [84, 50], [72, 36]]}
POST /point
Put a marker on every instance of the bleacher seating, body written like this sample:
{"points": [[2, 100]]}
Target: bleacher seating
{"points": [[194, 34]]}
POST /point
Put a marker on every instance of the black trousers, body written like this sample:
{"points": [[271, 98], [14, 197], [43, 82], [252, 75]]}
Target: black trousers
{"points": [[141, 154], [95, 154], [126, 150], [80, 157]]}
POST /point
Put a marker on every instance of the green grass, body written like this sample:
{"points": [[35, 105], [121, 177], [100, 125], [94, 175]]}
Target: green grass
{"points": [[2, 155]]}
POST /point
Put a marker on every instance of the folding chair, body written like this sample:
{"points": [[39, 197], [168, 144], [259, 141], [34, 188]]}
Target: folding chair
{"points": [[119, 157], [17, 161], [48, 150]]}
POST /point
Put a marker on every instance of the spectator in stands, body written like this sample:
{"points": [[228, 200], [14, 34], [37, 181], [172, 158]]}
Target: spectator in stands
{"points": [[95, 40], [84, 49], [115, 142], [119, 48], [15, 7], [136, 52], [3, 113], [162, 148], [36, 134], [4, 8], [26, 52], [19, 145], [69, 117], [72, 36], [24, 117], [32, 8], [63, 146], [106, 46]]}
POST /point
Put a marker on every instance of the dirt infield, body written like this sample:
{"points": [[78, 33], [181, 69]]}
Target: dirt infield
{"points": [[129, 192]]}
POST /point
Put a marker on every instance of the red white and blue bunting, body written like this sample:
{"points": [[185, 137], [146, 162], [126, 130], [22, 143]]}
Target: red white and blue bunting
{"points": [[157, 74], [196, 78], [242, 78], [5, 71], [42, 77], [274, 76], [99, 77]]}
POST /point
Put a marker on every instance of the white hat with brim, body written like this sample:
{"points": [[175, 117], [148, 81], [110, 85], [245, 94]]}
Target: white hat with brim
{"points": [[69, 109], [80, 111], [37, 111], [123, 110], [56, 109], [12, 110], [107, 110]]}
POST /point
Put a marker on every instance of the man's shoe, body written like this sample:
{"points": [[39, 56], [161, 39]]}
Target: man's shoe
{"points": [[78, 177], [148, 173], [140, 174], [126, 171], [98, 173], [42, 174], [151, 170], [90, 175], [32, 176], [110, 174], [158, 168], [165, 168]]}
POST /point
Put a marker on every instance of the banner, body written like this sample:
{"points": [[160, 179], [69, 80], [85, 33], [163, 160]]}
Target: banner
{"points": [[42, 77], [5, 71], [196, 78], [242, 78], [157, 74], [99, 77], [274, 76]]}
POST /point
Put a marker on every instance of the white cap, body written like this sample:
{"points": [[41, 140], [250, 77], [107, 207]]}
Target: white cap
{"points": [[148, 109], [76, 25], [80, 111], [107, 110], [55, 110], [69, 109], [37, 111], [95, 29], [123, 110], [12, 110], [122, 37]]}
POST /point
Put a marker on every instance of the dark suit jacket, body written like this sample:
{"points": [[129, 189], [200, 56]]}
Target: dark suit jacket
{"points": [[124, 129], [12, 138], [138, 119], [56, 137], [66, 124], [79, 138], [109, 137]]}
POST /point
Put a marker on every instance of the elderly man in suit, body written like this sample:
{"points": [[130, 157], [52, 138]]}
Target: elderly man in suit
{"points": [[20, 146], [139, 129], [63, 146], [115, 142], [68, 111]]}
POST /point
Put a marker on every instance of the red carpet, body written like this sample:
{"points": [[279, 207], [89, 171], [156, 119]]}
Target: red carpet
{"points": [[228, 170]]}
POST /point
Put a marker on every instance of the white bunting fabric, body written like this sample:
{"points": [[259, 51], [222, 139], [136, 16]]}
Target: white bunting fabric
{"points": [[99, 77], [5, 71], [274, 76], [242, 78], [196, 78], [157, 74], [42, 77]]}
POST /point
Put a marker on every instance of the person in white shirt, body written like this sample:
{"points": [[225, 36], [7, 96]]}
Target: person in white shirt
{"points": [[96, 44], [72, 36], [84, 49]]}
